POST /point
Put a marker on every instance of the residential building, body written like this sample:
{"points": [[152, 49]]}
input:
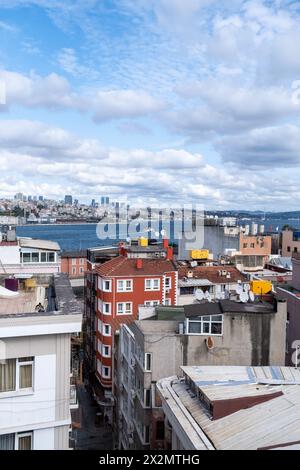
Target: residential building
{"points": [[74, 263], [217, 281], [27, 256], [232, 408], [221, 333], [37, 323], [114, 292], [290, 242], [291, 293]]}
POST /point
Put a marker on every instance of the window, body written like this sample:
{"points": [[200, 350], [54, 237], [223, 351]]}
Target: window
{"points": [[168, 282], [106, 351], [295, 249], [74, 261], [147, 434], [252, 245], [124, 308], [106, 310], [107, 286], [147, 362], [124, 285], [106, 330], [100, 325], [35, 257], [160, 430], [99, 347], [26, 257], [81, 270], [288, 248], [48, 257], [151, 303], [20, 441], [16, 374], [245, 245], [106, 372], [167, 301], [206, 325], [43, 257], [152, 284], [74, 270], [147, 398], [81, 261]]}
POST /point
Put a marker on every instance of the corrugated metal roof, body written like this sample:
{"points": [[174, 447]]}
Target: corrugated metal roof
{"points": [[39, 244], [269, 424]]}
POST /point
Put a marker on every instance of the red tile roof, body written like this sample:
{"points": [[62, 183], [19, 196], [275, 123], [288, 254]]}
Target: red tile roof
{"points": [[123, 266], [212, 273]]}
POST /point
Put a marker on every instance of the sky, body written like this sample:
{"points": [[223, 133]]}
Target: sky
{"points": [[160, 102]]}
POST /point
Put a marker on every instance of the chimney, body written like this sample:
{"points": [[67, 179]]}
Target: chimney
{"points": [[165, 243], [169, 253], [139, 263]]}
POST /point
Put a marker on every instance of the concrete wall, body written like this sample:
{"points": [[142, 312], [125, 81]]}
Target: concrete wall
{"points": [[288, 245]]}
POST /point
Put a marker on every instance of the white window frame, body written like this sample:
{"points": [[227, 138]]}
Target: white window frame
{"points": [[124, 311], [81, 270], [103, 329], [99, 346], [122, 285], [151, 303], [74, 269], [103, 308], [202, 321], [103, 350], [19, 436], [103, 285], [151, 281], [74, 261], [108, 376], [168, 301], [19, 364], [145, 362], [169, 286], [81, 261], [100, 325]]}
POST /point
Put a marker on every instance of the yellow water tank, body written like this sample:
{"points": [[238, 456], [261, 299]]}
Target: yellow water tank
{"points": [[143, 241], [199, 254], [261, 287], [30, 283]]}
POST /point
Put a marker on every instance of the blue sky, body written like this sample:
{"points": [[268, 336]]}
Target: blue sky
{"points": [[159, 101]]}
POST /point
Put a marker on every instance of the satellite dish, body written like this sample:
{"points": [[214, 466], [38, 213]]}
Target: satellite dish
{"points": [[208, 296], [199, 294], [251, 296], [246, 287], [244, 297], [239, 289]]}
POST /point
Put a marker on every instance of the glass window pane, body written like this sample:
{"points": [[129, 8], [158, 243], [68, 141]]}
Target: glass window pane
{"points": [[216, 328], [216, 317], [26, 257], [7, 442], [43, 257], [35, 257], [206, 327], [26, 376], [194, 327], [206, 318], [8, 375], [51, 257], [24, 442]]}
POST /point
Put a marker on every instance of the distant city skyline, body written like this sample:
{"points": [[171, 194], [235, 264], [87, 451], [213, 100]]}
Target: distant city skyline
{"points": [[153, 101]]}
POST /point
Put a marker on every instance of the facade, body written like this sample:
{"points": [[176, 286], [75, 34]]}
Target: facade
{"points": [[232, 408], [290, 242], [36, 327], [222, 333], [114, 291], [74, 263], [217, 281], [291, 293], [26, 256]]}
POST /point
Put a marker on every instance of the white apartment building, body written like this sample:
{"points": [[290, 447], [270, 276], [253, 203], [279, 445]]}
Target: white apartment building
{"points": [[36, 325]]}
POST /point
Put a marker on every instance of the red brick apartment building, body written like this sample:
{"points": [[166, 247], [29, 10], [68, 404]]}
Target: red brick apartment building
{"points": [[115, 290]]}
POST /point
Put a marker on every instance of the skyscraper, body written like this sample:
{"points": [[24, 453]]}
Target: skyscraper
{"points": [[68, 199]]}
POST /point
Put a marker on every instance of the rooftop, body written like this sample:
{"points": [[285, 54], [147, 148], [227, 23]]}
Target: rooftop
{"points": [[74, 254], [54, 296], [236, 408], [210, 274], [123, 266], [39, 244], [227, 306]]}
